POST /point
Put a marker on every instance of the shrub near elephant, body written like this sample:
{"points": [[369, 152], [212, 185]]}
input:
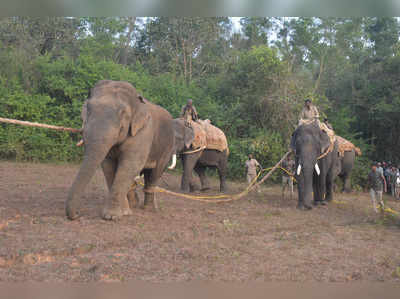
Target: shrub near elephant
{"points": [[316, 164], [198, 154], [127, 135]]}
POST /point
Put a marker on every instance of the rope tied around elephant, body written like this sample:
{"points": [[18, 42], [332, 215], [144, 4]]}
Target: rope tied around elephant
{"points": [[228, 197], [208, 199]]}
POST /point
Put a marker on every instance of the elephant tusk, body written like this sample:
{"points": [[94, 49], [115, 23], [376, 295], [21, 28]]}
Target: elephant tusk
{"points": [[138, 177], [317, 168], [298, 169], [80, 143], [173, 162]]}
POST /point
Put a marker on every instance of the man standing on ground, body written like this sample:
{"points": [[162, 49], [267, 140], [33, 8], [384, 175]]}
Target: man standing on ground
{"points": [[377, 184], [251, 167], [287, 180], [189, 113]]}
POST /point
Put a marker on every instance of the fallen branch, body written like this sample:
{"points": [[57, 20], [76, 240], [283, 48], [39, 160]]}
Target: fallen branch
{"points": [[37, 125], [271, 171]]}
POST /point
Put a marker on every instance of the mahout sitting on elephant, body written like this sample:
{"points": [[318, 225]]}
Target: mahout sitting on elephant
{"points": [[127, 135], [316, 156], [199, 150]]}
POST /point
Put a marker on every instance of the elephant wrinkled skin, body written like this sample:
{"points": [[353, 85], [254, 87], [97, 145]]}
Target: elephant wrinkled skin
{"points": [[127, 135], [309, 142], [198, 161]]}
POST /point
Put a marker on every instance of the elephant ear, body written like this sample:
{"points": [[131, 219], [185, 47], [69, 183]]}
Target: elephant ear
{"points": [[325, 142], [140, 118], [189, 136], [293, 142]]}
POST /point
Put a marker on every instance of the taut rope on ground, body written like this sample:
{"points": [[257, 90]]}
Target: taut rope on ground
{"points": [[226, 197]]}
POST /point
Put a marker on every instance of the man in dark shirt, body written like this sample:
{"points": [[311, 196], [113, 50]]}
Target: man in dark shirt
{"points": [[377, 184]]}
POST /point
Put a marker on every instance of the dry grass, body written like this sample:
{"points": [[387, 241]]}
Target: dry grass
{"points": [[259, 238]]}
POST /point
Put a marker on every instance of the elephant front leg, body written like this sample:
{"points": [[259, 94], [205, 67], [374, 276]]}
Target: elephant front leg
{"points": [[109, 167], [189, 161], [130, 164], [330, 181]]}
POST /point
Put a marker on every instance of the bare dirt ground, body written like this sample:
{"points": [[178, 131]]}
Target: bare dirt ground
{"points": [[259, 238]]}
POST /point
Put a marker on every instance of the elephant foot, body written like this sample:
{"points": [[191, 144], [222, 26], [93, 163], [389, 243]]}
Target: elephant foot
{"points": [[150, 202], [151, 207], [72, 213], [113, 213], [127, 212], [223, 190], [304, 207]]}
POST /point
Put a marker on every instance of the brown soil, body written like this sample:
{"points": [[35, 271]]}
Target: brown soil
{"points": [[259, 238]]}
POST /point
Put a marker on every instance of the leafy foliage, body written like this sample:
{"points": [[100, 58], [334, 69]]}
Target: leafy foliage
{"points": [[250, 83]]}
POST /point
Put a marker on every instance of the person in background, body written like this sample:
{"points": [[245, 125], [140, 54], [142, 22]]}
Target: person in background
{"points": [[251, 168], [287, 180], [377, 184], [379, 168], [393, 178], [387, 173], [189, 113]]}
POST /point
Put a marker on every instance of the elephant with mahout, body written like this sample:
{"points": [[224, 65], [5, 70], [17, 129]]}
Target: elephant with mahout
{"points": [[127, 136], [198, 160], [315, 165]]}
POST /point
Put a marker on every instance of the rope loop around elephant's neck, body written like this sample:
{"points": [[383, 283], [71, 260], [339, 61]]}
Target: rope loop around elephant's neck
{"points": [[194, 151], [330, 148]]}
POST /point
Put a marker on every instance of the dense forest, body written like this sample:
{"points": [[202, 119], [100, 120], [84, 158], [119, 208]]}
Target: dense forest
{"points": [[250, 80]]}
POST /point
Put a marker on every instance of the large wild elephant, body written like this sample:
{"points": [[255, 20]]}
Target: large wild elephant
{"points": [[345, 166], [309, 143], [198, 160], [126, 135]]}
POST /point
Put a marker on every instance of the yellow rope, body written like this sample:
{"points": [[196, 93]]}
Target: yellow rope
{"points": [[224, 197]]}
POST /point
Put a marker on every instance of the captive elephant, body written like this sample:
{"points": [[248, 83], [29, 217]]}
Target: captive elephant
{"points": [[127, 135], [309, 143], [198, 161], [345, 166]]}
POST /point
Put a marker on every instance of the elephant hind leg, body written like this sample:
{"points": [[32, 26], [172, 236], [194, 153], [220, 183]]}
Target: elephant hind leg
{"points": [[201, 171]]}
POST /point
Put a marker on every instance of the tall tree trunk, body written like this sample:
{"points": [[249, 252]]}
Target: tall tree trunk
{"points": [[184, 60], [321, 70], [125, 50]]}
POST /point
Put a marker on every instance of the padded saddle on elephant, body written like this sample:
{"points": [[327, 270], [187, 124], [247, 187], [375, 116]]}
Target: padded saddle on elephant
{"points": [[208, 136], [346, 146]]}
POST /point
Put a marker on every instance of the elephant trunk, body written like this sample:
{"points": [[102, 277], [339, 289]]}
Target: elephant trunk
{"points": [[305, 185], [95, 153]]}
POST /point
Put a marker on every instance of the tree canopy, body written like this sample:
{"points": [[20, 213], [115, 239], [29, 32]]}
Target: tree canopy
{"points": [[250, 83]]}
